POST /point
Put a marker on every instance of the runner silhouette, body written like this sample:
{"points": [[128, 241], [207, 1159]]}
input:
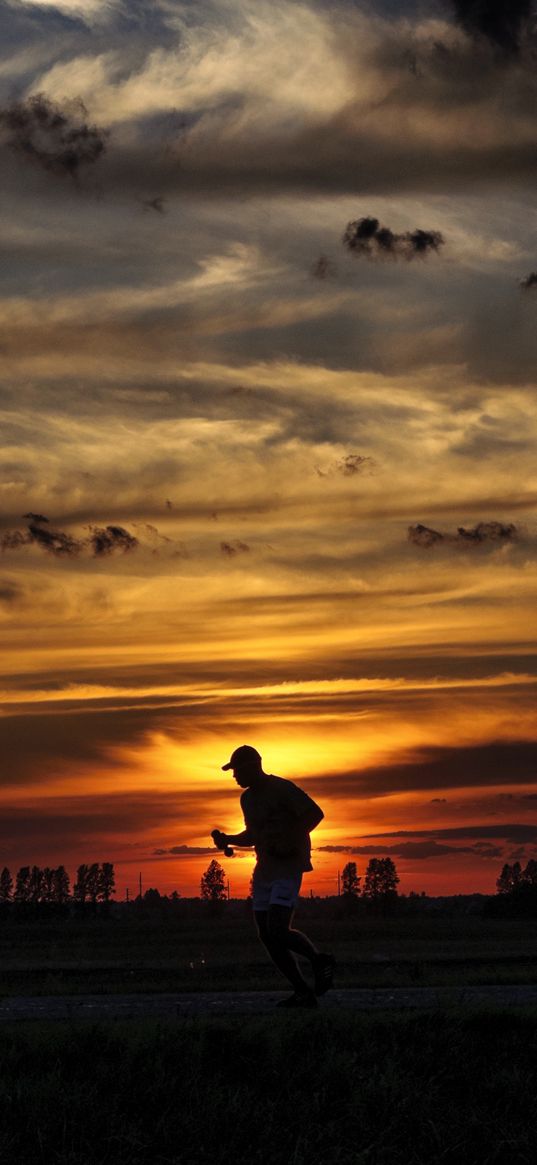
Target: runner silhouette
{"points": [[278, 818]]}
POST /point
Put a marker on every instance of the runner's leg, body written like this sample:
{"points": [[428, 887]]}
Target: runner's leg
{"points": [[323, 964], [273, 929]]}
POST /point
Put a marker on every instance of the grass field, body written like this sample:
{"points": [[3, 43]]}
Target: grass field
{"points": [[441, 1088], [196, 951]]}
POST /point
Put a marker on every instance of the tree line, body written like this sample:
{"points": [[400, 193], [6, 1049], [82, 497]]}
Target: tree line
{"points": [[34, 886], [380, 882]]}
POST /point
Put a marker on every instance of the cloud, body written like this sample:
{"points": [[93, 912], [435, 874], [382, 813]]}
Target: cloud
{"points": [[156, 204], [95, 823], [498, 763], [187, 850], [416, 850], [518, 833], [323, 268], [231, 549], [366, 238], [14, 539], [56, 542], [502, 22], [353, 463], [58, 138], [10, 592], [104, 540], [529, 283], [482, 534]]}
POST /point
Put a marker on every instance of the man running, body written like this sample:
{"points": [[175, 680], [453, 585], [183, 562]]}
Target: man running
{"points": [[278, 817]]}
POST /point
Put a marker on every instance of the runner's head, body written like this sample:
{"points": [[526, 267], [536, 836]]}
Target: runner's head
{"points": [[246, 764]]}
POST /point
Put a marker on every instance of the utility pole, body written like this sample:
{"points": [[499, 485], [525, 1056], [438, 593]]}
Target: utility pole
{"points": [[339, 883], [127, 893], [227, 889], [140, 883]]}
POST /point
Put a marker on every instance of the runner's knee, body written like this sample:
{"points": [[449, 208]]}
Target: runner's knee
{"points": [[278, 925]]}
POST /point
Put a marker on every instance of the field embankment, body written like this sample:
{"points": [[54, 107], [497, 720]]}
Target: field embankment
{"points": [[436, 1088]]}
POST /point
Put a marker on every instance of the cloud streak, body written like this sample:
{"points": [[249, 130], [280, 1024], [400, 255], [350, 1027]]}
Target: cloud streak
{"points": [[484, 533], [416, 850]]}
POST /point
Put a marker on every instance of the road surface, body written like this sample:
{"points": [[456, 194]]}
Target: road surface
{"points": [[75, 1007]]}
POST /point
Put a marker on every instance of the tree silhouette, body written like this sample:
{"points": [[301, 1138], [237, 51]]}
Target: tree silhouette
{"points": [[92, 883], [213, 883], [517, 890], [22, 884], [80, 888], [6, 885], [107, 881], [381, 880], [36, 884], [47, 884], [504, 884], [152, 897], [61, 885], [350, 880]]}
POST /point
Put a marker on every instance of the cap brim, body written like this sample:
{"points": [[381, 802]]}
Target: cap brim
{"points": [[228, 766]]}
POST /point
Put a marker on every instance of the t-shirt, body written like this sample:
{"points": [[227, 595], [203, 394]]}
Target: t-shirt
{"points": [[279, 816]]}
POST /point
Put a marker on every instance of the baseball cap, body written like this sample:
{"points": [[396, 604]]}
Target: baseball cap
{"points": [[244, 755]]}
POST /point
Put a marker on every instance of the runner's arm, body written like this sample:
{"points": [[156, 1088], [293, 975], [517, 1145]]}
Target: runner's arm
{"points": [[244, 840]]}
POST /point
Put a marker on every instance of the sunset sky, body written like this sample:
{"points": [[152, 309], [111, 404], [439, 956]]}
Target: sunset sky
{"points": [[230, 418]]}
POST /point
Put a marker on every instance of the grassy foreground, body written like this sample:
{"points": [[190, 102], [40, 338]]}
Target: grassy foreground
{"points": [[190, 950], [367, 1089]]}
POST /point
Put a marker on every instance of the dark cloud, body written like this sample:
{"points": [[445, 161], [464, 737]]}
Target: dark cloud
{"points": [[438, 800], [498, 763], [354, 463], [13, 539], [323, 268], [416, 850], [56, 542], [366, 238], [93, 823], [482, 534], [10, 592], [502, 22], [231, 549], [180, 851], [57, 137], [156, 204], [104, 540], [516, 833], [34, 746], [529, 283]]}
